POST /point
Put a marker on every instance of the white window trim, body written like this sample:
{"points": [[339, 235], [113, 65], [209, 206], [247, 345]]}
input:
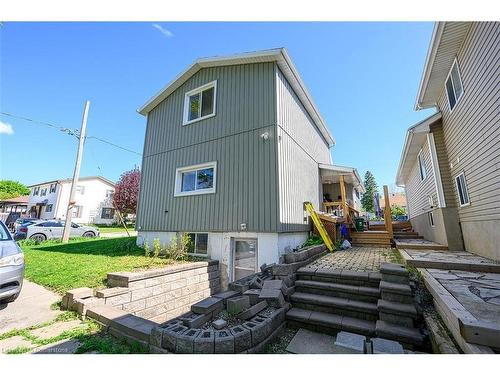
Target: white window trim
{"points": [[197, 90], [455, 62], [178, 179], [420, 165], [458, 192], [195, 253]]}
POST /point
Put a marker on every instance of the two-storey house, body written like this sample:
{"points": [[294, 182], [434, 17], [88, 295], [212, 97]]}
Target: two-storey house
{"points": [[450, 165], [234, 146], [93, 200]]}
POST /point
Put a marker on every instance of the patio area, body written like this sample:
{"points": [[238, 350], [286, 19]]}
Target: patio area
{"points": [[358, 259]]}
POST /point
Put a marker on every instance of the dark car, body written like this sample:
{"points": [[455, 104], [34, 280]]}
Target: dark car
{"points": [[22, 229]]}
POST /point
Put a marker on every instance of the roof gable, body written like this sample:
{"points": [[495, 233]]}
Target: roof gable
{"points": [[279, 55]]}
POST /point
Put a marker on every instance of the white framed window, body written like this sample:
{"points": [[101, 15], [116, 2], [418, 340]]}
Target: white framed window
{"points": [[431, 219], [454, 87], [198, 244], [195, 179], [463, 192], [200, 103], [36, 190], [110, 193], [77, 211], [80, 189], [421, 166], [52, 188], [44, 192], [107, 213]]}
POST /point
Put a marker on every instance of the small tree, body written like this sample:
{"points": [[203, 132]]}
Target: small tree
{"points": [[12, 189], [127, 192], [397, 210], [371, 188]]}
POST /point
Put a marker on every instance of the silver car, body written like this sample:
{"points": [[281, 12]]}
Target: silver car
{"points": [[53, 229], [11, 266]]}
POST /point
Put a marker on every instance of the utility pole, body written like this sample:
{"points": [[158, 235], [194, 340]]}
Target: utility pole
{"points": [[76, 174]]}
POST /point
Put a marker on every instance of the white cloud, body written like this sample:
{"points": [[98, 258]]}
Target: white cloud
{"points": [[162, 30], [6, 128]]}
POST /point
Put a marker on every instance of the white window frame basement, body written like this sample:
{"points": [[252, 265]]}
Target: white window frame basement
{"points": [[194, 168], [195, 252], [454, 85], [462, 189], [199, 90], [421, 165]]}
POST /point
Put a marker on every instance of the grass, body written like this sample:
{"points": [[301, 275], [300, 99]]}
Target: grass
{"points": [[115, 229], [92, 336], [84, 262]]}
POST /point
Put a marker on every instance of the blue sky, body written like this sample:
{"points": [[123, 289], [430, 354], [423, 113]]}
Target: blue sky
{"points": [[363, 77]]}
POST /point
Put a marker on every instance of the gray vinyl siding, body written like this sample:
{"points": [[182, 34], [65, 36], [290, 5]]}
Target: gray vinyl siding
{"points": [[444, 166], [301, 147], [472, 130], [246, 178], [417, 190]]}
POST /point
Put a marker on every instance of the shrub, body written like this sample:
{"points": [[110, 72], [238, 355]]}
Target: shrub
{"points": [[313, 240], [156, 247], [177, 249], [147, 249]]}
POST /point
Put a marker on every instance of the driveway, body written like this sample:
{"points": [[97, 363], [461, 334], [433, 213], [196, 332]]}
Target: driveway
{"points": [[31, 307]]}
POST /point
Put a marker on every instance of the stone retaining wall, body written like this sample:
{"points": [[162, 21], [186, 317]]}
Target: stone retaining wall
{"points": [[162, 294]]}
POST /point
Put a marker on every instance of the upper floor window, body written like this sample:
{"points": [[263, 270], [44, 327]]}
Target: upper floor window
{"points": [[110, 193], [196, 179], [80, 189], [454, 88], [200, 103], [463, 192], [44, 192], [421, 166], [36, 190], [52, 188]]}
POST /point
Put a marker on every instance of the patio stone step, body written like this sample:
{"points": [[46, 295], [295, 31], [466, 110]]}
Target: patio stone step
{"points": [[399, 333], [356, 292], [396, 308], [335, 305], [340, 276], [328, 322]]}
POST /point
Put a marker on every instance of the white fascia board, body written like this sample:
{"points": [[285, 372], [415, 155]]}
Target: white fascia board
{"points": [[410, 144], [429, 62]]}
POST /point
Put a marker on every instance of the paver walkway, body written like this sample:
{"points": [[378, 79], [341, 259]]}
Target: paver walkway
{"points": [[32, 307], [360, 259], [454, 260]]}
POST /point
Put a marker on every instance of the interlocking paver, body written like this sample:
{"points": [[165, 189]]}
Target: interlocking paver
{"points": [[359, 259]]}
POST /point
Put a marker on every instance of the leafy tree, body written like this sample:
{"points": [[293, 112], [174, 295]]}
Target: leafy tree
{"points": [[371, 188], [397, 210], [12, 189], [127, 191]]}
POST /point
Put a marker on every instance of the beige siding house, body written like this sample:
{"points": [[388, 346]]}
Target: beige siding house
{"points": [[459, 145]]}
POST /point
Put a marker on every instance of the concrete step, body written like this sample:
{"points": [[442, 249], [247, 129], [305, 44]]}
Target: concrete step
{"points": [[335, 305], [339, 276], [413, 236], [355, 292], [402, 314], [399, 333], [327, 322]]}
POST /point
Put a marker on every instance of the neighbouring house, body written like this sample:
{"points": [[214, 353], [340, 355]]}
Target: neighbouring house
{"points": [[234, 147], [14, 205], [450, 164], [93, 200], [395, 199]]}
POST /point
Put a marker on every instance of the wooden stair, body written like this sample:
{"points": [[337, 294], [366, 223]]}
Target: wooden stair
{"points": [[371, 238]]}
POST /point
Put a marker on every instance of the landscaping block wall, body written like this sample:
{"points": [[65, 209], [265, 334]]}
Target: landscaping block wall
{"points": [[162, 294]]}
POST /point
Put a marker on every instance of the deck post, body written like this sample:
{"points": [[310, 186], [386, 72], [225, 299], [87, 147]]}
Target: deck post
{"points": [[387, 213], [343, 195]]}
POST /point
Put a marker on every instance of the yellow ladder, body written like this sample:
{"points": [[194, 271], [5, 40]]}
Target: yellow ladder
{"points": [[319, 225]]}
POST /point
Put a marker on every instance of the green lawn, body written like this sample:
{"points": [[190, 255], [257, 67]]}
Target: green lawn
{"points": [[115, 229], [83, 262]]}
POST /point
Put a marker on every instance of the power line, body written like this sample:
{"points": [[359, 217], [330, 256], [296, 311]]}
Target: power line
{"points": [[74, 132]]}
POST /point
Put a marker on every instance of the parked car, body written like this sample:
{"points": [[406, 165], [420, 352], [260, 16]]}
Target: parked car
{"points": [[51, 229], [11, 266], [24, 220], [22, 230]]}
